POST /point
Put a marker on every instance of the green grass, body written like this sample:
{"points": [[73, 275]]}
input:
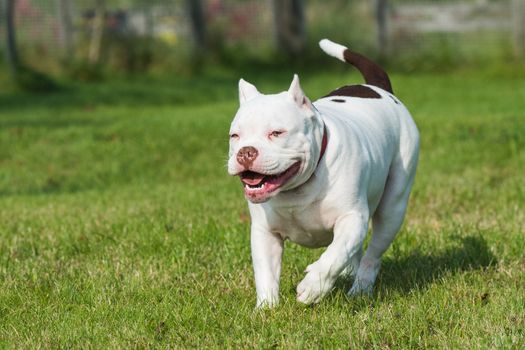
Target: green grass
{"points": [[120, 228]]}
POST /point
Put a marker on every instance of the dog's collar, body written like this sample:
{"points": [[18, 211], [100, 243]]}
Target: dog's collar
{"points": [[324, 143]]}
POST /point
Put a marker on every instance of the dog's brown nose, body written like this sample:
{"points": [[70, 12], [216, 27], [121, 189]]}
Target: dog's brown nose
{"points": [[246, 156]]}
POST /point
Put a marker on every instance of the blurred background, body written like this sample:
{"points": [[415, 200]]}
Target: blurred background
{"points": [[120, 228], [46, 40]]}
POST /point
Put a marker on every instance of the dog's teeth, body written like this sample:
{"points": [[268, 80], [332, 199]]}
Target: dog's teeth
{"points": [[254, 187]]}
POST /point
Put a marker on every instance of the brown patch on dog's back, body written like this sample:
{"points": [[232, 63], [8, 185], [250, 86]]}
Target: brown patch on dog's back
{"points": [[360, 91]]}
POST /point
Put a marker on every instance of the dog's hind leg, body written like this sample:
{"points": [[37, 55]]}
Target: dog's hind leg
{"points": [[386, 222]]}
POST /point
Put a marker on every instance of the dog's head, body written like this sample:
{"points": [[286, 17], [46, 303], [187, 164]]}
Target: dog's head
{"points": [[275, 141]]}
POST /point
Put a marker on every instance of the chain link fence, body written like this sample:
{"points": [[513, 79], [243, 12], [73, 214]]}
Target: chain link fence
{"points": [[138, 33]]}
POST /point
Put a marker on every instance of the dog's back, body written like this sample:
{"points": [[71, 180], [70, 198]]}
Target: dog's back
{"points": [[370, 114]]}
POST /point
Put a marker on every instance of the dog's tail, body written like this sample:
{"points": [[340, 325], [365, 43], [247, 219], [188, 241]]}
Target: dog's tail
{"points": [[373, 74]]}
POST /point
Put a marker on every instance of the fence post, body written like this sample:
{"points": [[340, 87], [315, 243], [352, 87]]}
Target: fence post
{"points": [[198, 22], [97, 32], [66, 27], [289, 25], [11, 53], [518, 27], [381, 12]]}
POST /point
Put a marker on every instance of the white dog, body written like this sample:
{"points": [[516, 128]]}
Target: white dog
{"points": [[316, 173]]}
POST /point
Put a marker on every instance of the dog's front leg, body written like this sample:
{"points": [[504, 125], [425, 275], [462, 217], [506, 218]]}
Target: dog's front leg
{"points": [[267, 249], [349, 233]]}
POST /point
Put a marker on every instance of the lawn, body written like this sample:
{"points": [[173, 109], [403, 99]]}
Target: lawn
{"points": [[119, 226]]}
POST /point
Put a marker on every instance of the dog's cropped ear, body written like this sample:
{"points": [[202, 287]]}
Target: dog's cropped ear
{"points": [[297, 94], [247, 91]]}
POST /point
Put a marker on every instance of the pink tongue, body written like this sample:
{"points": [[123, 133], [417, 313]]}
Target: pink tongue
{"points": [[253, 179]]}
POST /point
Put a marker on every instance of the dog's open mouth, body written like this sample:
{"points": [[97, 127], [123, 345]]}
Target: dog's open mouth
{"points": [[258, 187]]}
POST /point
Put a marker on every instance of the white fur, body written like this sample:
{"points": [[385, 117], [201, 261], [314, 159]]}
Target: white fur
{"points": [[246, 91], [365, 175], [333, 49]]}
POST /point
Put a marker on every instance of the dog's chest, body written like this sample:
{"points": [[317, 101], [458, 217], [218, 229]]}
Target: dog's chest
{"points": [[305, 226]]}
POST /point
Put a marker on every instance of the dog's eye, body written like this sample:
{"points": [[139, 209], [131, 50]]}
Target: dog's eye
{"points": [[234, 136], [276, 133]]}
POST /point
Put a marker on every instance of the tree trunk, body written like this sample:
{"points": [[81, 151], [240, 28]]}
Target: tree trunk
{"points": [[11, 53], [518, 27], [381, 12], [198, 22], [97, 32], [66, 27], [149, 21], [290, 29]]}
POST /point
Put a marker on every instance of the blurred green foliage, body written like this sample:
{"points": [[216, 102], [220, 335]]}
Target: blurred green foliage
{"points": [[126, 53]]}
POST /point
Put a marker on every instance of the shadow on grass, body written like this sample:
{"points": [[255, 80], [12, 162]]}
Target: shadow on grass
{"points": [[169, 89], [127, 92], [216, 84], [20, 124], [418, 270]]}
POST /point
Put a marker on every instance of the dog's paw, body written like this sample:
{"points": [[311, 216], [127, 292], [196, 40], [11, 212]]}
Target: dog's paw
{"points": [[360, 287], [313, 287], [365, 278], [267, 302]]}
